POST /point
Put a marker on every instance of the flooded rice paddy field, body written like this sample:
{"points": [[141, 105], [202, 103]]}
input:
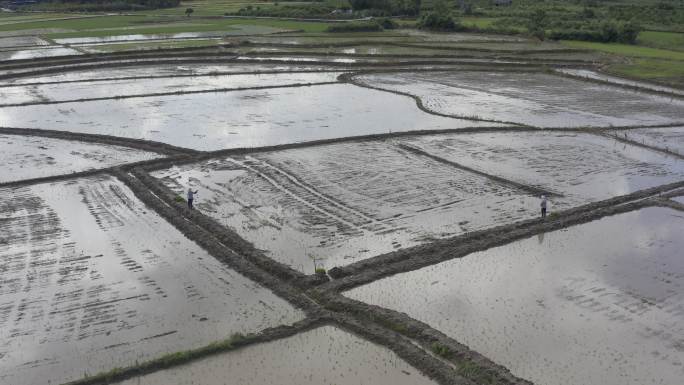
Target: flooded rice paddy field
{"points": [[91, 279], [679, 199], [536, 99], [21, 41], [345, 202], [599, 303], [582, 167], [589, 74], [326, 355], [113, 88], [164, 70], [27, 157], [35, 53], [214, 121], [669, 138], [238, 30]]}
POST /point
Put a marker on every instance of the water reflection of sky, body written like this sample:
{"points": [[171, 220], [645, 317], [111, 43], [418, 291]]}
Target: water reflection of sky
{"points": [[238, 119], [596, 303]]}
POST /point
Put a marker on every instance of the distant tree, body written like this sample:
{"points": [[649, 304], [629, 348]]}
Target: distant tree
{"points": [[536, 24], [189, 11]]}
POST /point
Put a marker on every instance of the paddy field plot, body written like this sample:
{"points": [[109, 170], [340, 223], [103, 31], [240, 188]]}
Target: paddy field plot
{"points": [[581, 167], [326, 355], [536, 99], [141, 71], [345, 202], [589, 74], [27, 157], [21, 41], [126, 87], [667, 138], [250, 118], [679, 199], [598, 303], [91, 279], [35, 53]]}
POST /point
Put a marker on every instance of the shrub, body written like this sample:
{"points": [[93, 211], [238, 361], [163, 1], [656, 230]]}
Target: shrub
{"points": [[360, 26], [438, 22], [440, 350]]}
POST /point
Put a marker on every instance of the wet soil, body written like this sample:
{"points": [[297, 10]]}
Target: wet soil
{"points": [[600, 302], [92, 279]]}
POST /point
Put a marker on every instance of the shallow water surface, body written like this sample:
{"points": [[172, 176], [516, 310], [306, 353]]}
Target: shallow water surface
{"points": [[91, 279], [535, 99], [112, 88], [670, 138], [618, 80], [582, 167], [26, 157], [253, 118], [599, 303], [326, 355], [342, 203], [37, 53]]}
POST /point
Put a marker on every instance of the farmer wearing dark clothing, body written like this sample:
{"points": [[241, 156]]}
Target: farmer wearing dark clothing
{"points": [[191, 197], [543, 206]]}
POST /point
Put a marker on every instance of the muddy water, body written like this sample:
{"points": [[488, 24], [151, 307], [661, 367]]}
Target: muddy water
{"points": [[343, 203], [326, 355], [33, 157], [37, 53], [670, 138], [582, 167], [600, 303], [92, 280], [252, 118], [618, 80], [536, 99], [85, 90]]}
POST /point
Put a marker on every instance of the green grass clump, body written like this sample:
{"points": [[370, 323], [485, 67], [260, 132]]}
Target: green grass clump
{"points": [[164, 361], [357, 26], [179, 199], [320, 271], [440, 350]]}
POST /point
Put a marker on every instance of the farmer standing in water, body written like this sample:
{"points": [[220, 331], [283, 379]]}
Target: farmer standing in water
{"points": [[543, 206], [191, 197]]}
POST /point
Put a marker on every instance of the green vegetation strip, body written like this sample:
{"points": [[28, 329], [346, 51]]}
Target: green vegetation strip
{"points": [[233, 342]]}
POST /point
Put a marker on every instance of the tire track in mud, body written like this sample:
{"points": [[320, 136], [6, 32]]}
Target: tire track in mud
{"points": [[532, 190], [358, 218], [299, 194]]}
